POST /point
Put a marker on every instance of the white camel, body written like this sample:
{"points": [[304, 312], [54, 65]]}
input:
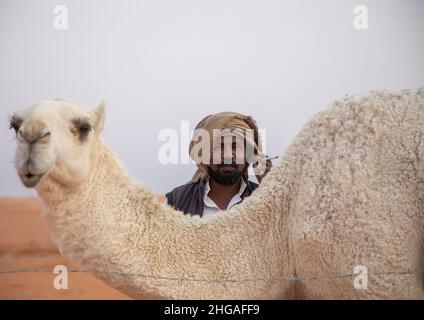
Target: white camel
{"points": [[348, 192]]}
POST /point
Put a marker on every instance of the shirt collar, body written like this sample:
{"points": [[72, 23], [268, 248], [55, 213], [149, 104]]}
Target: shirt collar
{"points": [[210, 203]]}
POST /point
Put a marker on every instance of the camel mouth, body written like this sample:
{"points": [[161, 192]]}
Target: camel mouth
{"points": [[30, 180]]}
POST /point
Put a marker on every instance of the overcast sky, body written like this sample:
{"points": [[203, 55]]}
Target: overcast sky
{"points": [[158, 63]]}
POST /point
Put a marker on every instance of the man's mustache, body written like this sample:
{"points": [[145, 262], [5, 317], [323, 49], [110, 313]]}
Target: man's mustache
{"points": [[226, 165]]}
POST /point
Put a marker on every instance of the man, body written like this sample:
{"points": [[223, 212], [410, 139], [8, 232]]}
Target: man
{"points": [[229, 142]]}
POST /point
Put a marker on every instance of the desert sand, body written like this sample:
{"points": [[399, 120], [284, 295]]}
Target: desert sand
{"points": [[26, 246]]}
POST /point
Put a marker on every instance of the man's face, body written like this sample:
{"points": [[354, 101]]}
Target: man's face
{"points": [[228, 162]]}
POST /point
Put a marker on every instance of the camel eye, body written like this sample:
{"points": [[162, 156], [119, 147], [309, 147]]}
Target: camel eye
{"points": [[81, 128], [84, 129]]}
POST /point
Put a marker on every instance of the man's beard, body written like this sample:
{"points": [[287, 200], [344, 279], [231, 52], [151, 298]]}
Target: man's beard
{"points": [[226, 179]]}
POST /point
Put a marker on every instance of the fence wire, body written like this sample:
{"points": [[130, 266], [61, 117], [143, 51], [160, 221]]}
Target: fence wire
{"points": [[186, 279]]}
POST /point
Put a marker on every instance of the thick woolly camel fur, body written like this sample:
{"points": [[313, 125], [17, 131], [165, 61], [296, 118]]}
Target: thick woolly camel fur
{"points": [[348, 191]]}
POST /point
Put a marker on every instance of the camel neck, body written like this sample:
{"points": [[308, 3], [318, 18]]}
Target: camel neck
{"points": [[107, 182], [113, 225]]}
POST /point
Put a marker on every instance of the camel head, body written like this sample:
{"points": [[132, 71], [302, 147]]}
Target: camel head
{"points": [[54, 138]]}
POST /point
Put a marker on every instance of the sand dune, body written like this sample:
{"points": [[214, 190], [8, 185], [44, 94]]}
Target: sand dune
{"points": [[25, 246]]}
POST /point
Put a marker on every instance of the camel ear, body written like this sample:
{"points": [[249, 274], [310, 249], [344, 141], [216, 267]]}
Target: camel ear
{"points": [[99, 114]]}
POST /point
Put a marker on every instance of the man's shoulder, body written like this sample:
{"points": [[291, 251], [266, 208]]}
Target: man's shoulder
{"points": [[186, 186], [181, 190]]}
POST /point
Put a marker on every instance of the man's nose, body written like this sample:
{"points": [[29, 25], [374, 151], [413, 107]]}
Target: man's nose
{"points": [[228, 156]]}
